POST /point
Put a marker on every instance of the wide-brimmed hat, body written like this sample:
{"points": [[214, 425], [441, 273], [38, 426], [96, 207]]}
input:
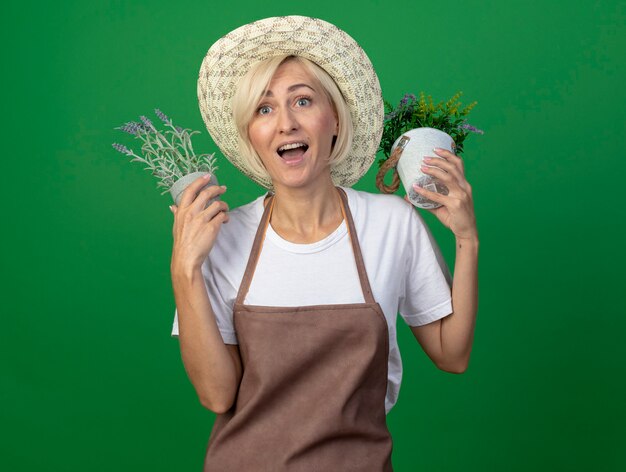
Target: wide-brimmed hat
{"points": [[230, 58]]}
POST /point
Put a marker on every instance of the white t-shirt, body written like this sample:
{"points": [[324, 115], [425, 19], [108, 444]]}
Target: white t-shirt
{"points": [[406, 270]]}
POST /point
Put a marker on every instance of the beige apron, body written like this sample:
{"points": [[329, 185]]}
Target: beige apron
{"points": [[312, 393]]}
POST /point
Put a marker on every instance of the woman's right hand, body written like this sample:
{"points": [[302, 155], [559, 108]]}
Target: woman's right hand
{"points": [[196, 228]]}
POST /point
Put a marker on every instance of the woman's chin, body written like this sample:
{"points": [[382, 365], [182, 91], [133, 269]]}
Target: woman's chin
{"points": [[301, 177], [291, 182]]}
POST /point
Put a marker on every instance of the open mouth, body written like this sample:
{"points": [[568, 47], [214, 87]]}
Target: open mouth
{"points": [[292, 151]]}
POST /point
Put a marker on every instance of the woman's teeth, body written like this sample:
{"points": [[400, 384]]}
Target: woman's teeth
{"points": [[292, 149]]}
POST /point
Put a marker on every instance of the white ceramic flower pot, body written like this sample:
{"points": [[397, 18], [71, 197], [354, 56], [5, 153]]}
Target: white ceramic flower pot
{"points": [[181, 184], [417, 144]]}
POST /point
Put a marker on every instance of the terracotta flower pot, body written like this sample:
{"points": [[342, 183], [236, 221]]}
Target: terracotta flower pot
{"points": [[181, 184], [417, 144]]}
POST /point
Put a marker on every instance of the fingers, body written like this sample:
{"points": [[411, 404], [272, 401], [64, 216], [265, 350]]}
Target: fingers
{"points": [[195, 197], [434, 196], [189, 194], [447, 168], [455, 199], [441, 169], [451, 157], [207, 195], [222, 217], [216, 211], [195, 219]]}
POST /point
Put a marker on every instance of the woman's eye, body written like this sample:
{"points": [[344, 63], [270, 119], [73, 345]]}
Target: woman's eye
{"points": [[264, 110], [302, 102]]}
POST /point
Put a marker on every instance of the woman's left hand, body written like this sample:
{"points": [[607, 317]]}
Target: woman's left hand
{"points": [[457, 210]]}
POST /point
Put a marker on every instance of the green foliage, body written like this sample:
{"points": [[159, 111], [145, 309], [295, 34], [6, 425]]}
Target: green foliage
{"points": [[413, 113]]}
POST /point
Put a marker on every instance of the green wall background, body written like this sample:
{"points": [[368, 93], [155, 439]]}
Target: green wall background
{"points": [[92, 380]]}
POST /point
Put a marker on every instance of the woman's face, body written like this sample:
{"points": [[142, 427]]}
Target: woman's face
{"points": [[293, 127]]}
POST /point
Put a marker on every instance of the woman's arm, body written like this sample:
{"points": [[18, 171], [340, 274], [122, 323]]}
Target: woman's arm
{"points": [[448, 341], [213, 368]]}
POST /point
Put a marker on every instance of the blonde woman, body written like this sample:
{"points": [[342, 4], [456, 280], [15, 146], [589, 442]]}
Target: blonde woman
{"points": [[286, 306]]}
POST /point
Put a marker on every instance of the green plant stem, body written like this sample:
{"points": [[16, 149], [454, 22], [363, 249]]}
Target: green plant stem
{"points": [[157, 137], [182, 140]]}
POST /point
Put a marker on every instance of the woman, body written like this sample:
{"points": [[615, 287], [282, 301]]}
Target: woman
{"points": [[286, 315]]}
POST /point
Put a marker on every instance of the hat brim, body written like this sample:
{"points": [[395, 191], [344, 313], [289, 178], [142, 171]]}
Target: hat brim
{"points": [[230, 58]]}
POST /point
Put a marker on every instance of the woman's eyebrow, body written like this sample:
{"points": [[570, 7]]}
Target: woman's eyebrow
{"points": [[291, 88]]}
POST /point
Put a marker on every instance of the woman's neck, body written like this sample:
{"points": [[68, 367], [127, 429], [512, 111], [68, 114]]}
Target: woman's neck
{"points": [[306, 214]]}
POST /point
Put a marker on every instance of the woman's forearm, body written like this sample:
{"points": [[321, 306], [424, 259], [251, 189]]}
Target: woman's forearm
{"points": [[457, 330], [208, 363]]}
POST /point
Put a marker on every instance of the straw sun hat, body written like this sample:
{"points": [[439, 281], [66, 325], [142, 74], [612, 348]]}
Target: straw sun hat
{"points": [[319, 41]]}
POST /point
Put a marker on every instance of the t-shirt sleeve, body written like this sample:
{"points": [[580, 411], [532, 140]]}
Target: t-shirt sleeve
{"points": [[427, 294], [222, 309]]}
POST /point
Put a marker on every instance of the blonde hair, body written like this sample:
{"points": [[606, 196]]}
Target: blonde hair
{"points": [[253, 86]]}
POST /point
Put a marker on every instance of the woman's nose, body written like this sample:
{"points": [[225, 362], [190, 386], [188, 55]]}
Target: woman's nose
{"points": [[287, 121]]}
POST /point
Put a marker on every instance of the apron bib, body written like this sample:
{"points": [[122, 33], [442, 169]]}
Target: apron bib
{"points": [[313, 387]]}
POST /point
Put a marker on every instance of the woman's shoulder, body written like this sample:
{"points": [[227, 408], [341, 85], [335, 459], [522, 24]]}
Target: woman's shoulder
{"points": [[242, 224], [384, 213], [248, 212], [384, 204]]}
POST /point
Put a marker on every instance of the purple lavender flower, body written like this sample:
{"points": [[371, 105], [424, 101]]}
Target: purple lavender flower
{"points": [[162, 116], [469, 127], [123, 149], [148, 126], [179, 129], [406, 98], [131, 127], [391, 115]]}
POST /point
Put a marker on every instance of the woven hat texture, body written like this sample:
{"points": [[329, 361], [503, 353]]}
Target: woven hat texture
{"points": [[228, 60]]}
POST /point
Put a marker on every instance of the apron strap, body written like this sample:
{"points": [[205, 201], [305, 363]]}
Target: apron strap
{"points": [[260, 237], [255, 252], [356, 248]]}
